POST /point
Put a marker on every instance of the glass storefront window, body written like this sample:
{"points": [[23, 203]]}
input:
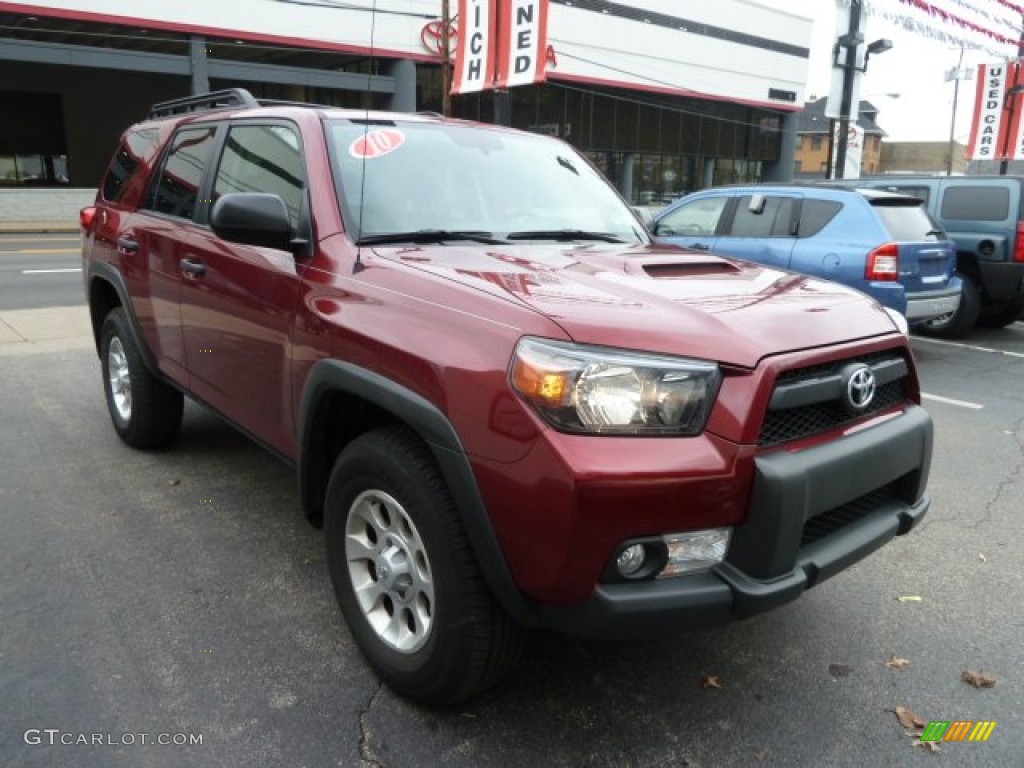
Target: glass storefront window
{"points": [[33, 170]]}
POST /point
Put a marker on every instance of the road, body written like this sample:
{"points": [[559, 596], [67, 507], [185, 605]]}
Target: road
{"points": [[40, 271], [181, 592]]}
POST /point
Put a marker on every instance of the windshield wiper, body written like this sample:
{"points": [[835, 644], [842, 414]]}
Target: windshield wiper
{"points": [[564, 235], [430, 236]]}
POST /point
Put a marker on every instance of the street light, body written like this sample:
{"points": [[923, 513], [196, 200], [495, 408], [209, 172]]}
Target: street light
{"points": [[956, 74], [851, 41]]}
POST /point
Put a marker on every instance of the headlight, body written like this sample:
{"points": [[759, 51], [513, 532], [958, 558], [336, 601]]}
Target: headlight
{"points": [[580, 388]]}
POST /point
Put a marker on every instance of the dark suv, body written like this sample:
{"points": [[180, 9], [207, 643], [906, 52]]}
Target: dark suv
{"points": [[984, 216], [506, 406]]}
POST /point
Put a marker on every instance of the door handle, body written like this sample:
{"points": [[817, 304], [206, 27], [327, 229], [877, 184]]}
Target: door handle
{"points": [[700, 247], [127, 245], [192, 267]]}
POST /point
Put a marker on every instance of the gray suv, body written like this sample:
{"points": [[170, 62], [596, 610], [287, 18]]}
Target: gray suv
{"points": [[984, 216]]}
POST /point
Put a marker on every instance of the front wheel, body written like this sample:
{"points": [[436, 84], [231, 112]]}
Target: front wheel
{"points": [[145, 411], [957, 324], [405, 575]]}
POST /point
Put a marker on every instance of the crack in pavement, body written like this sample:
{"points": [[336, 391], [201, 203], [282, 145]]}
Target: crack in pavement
{"points": [[1010, 480], [367, 757]]}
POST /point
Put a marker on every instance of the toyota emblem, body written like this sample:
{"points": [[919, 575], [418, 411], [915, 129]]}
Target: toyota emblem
{"points": [[860, 388]]}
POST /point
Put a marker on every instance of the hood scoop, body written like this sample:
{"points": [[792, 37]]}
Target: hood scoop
{"points": [[700, 267]]}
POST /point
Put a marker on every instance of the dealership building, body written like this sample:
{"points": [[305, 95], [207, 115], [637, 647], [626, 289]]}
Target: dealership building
{"points": [[666, 97]]}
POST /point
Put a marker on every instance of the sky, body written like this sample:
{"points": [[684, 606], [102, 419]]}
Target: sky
{"points": [[915, 68]]}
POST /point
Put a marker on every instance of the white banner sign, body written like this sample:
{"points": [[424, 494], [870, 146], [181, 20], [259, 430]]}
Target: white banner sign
{"points": [[986, 142], [474, 56], [522, 46]]}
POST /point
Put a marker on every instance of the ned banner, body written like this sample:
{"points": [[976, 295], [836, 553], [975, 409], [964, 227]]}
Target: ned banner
{"points": [[522, 42], [989, 127], [475, 52]]}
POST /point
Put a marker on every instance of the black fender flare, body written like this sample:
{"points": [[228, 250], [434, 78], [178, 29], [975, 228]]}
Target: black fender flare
{"points": [[424, 418], [98, 270]]}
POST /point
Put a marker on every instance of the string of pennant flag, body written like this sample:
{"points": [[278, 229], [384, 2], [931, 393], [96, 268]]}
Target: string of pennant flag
{"points": [[925, 19]]}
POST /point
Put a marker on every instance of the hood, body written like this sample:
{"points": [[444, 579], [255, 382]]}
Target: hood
{"points": [[661, 298]]}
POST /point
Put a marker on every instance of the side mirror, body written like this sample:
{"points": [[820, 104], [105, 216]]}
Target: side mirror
{"points": [[252, 218]]}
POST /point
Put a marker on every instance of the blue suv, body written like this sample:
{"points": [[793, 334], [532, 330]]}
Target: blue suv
{"points": [[882, 243]]}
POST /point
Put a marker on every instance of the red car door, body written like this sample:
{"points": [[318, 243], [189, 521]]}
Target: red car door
{"points": [[238, 301]]}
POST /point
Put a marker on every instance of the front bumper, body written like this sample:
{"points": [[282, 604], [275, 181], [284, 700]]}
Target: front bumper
{"points": [[813, 514]]}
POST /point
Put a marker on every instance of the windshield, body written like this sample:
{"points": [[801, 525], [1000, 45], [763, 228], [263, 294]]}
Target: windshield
{"points": [[464, 179]]}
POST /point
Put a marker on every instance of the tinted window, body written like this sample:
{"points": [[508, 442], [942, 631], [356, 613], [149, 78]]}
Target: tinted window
{"points": [[125, 165], [699, 217], [773, 219], [976, 203], [177, 188], [815, 214], [907, 222], [263, 158]]}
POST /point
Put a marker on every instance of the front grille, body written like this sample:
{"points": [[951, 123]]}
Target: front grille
{"points": [[829, 522], [784, 424]]}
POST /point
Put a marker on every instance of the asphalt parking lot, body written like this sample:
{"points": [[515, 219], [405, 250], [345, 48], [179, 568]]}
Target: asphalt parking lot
{"points": [[182, 595]]}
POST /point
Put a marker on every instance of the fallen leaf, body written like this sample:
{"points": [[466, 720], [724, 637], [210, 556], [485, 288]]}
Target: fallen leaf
{"points": [[710, 681], [982, 557], [175, 481], [838, 670], [910, 598], [931, 746], [763, 754], [895, 662], [907, 718], [978, 679]]}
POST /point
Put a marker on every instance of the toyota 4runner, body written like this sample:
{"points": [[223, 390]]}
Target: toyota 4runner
{"points": [[506, 406]]}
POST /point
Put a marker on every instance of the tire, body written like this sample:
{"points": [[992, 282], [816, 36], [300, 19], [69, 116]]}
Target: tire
{"points": [[1003, 316], [145, 411], [957, 324], [432, 630]]}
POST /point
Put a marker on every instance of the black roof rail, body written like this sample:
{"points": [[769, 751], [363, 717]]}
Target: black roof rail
{"points": [[286, 103], [232, 97]]}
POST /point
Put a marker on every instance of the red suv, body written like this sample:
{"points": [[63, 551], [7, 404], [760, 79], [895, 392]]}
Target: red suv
{"points": [[507, 407]]}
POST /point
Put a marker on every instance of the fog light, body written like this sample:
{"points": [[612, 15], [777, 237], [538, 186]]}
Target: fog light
{"points": [[631, 560], [695, 551]]}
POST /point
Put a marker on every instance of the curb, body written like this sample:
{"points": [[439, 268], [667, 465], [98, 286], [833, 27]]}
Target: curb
{"points": [[38, 227]]}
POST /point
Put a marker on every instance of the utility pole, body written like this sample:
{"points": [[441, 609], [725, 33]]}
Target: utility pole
{"points": [[446, 59], [849, 73], [957, 75]]}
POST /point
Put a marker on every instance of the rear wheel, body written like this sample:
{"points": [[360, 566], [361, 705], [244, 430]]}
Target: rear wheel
{"points": [[145, 411], [1003, 316], [957, 324], [405, 576]]}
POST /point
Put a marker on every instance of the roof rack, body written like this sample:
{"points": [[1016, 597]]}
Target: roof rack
{"points": [[286, 103], [232, 97]]}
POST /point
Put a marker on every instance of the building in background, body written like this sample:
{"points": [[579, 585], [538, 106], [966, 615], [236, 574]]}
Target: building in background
{"points": [[922, 157], [811, 159], [664, 97]]}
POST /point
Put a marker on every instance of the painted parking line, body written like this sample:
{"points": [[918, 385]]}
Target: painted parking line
{"points": [[972, 347], [951, 401], [50, 271]]}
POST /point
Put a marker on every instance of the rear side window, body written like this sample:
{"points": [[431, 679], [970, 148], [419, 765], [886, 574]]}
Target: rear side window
{"points": [[907, 222], [815, 215], [696, 218], [773, 219], [263, 158], [176, 191], [976, 203], [126, 167]]}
